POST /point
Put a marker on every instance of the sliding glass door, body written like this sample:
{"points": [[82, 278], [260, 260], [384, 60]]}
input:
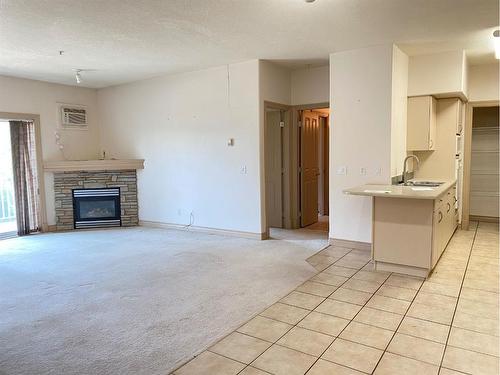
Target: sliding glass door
{"points": [[8, 222]]}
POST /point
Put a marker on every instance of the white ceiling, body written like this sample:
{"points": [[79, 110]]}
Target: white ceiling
{"points": [[127, 40]]}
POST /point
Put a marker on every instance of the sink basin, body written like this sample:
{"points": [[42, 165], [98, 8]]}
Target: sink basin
{"points": [[424, 183]]}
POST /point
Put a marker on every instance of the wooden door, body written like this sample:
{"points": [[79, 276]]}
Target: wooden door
{"points": [[309, 164], [273, 160]]}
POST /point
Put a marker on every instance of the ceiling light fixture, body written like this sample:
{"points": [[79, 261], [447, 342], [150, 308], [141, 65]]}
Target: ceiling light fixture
{"points": [[309, 1], [496, 40]]}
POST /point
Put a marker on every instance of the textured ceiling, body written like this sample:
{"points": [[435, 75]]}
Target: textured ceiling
{"points": [[127, 40]]}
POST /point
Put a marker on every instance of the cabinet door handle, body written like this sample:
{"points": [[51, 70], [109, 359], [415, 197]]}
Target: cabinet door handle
{"points": [[440, 216], [449, 207], [430, 143]]}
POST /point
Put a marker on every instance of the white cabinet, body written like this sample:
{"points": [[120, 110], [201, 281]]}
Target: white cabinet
{"points": [[444, 223], [421, 124]]}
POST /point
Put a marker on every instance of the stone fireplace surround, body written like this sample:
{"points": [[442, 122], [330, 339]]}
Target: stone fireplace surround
{"points": [[88, 174], [65, 182]]}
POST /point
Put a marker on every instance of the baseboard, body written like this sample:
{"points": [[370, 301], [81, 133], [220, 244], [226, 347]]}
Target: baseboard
{"points": [[402, 269], [192, 228], [488, 219], [366, 246]]}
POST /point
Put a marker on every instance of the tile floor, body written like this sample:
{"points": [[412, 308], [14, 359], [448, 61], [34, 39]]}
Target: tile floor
{"points": [[350, 320]]}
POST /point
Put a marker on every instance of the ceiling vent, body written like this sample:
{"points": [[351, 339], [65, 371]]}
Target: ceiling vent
{"points": [[73, 116]]}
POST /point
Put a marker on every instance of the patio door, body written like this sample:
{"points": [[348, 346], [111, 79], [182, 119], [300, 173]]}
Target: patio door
{"points": [[8, 222]]}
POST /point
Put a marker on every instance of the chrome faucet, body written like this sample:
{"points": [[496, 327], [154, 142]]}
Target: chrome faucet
{"points": [[405, 163]]}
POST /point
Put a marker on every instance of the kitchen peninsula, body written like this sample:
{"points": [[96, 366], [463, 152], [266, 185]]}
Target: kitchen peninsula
{"points": [[411, 225]]}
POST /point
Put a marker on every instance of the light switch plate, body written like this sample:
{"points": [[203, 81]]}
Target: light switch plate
{"points": [[342, 170]]}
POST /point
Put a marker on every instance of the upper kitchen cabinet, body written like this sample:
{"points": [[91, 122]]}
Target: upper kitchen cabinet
{"points": [[442, 75], [421, 124]]}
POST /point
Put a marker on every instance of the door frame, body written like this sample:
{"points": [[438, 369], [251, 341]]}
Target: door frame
{"points": [[295, 161], [286, 162], [468, 156], [42, 214]]}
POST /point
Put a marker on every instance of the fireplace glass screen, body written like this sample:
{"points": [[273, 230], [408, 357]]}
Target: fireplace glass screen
{"points": [[96, 208]]}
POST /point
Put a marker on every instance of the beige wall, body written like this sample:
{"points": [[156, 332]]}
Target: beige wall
{"points": [[41, 98], [484, 82], [399, 110], [181, 125], [311, 85], [361, 104]]}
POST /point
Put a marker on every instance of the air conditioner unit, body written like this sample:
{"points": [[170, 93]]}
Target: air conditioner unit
{"points": [[73, 117]]}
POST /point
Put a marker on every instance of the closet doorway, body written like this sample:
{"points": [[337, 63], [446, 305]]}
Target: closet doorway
{"points": [[484, 176], [22, 208], [480, 200]]}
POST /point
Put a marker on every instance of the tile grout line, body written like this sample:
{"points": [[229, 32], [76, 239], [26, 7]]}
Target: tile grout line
{"points": [[294, 325], [256, 315], [396, 330], [351, 320], [458, 299]]}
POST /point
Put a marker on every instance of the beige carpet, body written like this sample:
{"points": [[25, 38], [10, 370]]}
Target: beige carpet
{"points": [[135, 301]]}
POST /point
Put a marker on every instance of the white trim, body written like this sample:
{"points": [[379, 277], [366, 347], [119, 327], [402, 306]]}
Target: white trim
{"points": [[92, 165], [220, 232]]}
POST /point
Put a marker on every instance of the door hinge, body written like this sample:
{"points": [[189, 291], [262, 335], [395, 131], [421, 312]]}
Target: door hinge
{"points": [[300, 214], [300, 169], [300, 124], [282, 124]]}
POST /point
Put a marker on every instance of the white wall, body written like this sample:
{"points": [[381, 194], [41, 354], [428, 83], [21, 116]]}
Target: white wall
{"points": [[181, 124], [41, 98], [437, 74], [483, 82], [311, 85], [361, 104], [399, 109], [274, 82]]}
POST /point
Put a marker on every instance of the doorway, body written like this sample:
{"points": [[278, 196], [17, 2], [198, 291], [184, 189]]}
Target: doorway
{"points": [[8, 222], [22, 204], [296, 158], [314, 132], [484, 171], [480, 197], [277, 149]]}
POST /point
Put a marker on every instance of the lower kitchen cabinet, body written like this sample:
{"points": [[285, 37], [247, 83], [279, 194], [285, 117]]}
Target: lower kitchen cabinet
{"points": [[409, 235]]}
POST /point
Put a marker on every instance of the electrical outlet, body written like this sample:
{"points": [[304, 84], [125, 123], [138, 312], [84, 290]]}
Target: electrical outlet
{"points": [[243, 169], [378, 171], [342, 170], [362, 171]]}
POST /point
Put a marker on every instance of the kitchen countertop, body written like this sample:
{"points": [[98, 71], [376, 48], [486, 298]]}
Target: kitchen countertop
{"points": [[400, 191]]}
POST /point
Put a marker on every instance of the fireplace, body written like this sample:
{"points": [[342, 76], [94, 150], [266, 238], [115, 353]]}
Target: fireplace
{"points": [[96, 208]]}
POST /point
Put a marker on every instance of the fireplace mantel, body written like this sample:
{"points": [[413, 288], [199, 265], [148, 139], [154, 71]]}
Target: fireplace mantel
{"points": [[93, 165]]}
